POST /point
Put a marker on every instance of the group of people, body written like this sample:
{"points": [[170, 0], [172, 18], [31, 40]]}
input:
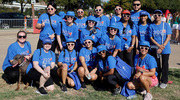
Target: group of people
{"points": [[87, 49]]}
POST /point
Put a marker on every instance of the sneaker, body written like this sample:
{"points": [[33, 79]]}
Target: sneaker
{"points": [[83, 85], [64, 88], [148, 96], [178, 44], [132, 97], [163, 85], [143, 92], [116, 91], [41, 91]]}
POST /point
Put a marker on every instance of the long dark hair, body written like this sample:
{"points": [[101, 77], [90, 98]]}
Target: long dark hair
{"points": [[174, 16], [130, 22], [148, 21], [100, 58]]}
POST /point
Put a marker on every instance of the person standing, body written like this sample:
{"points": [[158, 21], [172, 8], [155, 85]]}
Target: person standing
{"points": [[49, 23], [80, 21], [160, 34], [118, 10]]}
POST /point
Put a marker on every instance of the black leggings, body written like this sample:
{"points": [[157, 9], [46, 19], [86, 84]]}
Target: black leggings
{"points": [[11, 74], [127, 57], [40, 45], [115, 79]]}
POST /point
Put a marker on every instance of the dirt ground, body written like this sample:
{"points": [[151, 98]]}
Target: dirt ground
{"points": [[7, 37]]}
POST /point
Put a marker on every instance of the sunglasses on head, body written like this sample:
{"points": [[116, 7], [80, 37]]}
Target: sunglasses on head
{"points": [[87, 42], [155, 15], [21, 36], [113, 29], [126, 15], [98, 9], [69, 17], [146, 48], [99, 53], [117, 8], [80, 11], [91, 21], [70, 44], [50, 8], [136, 4]]}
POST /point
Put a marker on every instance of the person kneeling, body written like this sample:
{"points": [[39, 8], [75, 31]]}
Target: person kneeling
{"points": [[145, 76], [67, 63]]}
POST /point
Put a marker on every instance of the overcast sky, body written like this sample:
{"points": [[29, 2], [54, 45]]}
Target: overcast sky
{"points": [[105, 0]]}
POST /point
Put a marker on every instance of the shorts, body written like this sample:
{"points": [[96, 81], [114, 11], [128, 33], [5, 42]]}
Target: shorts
{"points": [[178, 26], [154, 82], [175, 26], [35, 76]]}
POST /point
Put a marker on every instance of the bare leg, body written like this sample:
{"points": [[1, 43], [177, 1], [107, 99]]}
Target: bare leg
{"points": [[64, 73], [146, 82], [81, 73], [70, 82]]}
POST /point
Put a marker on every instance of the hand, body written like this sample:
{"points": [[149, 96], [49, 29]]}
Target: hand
{"points": [[137, 75], [86, 72], [52, 36], [162, 47], [137, 51], [43, 24], [46, 76], [159, 51], [129, 49], [47, 70], [61, 47], [102, 78], [71, 71]]}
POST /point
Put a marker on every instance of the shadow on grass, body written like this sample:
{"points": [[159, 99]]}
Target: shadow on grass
{"points": [[175, 73]]}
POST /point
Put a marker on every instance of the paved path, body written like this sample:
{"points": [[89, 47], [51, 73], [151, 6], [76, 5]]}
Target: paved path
{"points": [[9, 36]]}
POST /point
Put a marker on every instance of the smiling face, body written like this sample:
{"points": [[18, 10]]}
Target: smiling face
{"points": [[102, 53], [80, 12], [88, 43], [70, 19], [91, 23], [126, 17], [98, 10], [157, 16], [70, 45], [136, 5], [113, 31], [51, 10], [144, 50], [21, 37], [143, 18], [118, 10], [47, 46]]}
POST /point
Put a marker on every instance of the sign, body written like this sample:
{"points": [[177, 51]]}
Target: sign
{"points": [[33, 1]]}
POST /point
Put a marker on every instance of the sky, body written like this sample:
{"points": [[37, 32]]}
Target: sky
{"points": [[105, 0]]}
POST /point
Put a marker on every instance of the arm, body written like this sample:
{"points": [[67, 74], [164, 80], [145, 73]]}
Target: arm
{"points": [[115, 52], [132, 44], [75, 67], [167, 40], [82, 60], [39, 69], [110, 72], [59, 42]]}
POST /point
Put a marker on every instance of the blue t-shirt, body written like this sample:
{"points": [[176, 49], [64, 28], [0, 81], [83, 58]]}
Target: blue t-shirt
{"points": [[110, 63], [68, 58], [143, 32], [81, 23], [149, 62], [111, 45], [103, 22], [156, 31], [47, 30], [135, 16], [44, 58], [115, 19], [126, 36], [15, 49], [84, 33], [89, 55]]}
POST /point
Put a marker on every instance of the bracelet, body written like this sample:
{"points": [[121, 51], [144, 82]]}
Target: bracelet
{"points": [[132, 45]]}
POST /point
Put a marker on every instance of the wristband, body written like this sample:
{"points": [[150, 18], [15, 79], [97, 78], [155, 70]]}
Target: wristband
{"points": [[141, 73], [132, 45]]}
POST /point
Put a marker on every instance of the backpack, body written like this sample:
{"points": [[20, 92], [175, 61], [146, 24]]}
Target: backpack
{"points": [[124, 69]]}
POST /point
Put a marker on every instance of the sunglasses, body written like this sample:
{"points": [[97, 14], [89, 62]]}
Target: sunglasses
{"points": [[91, 22], [136, 4], [113, 29], [87, 42], [50, 8], [99, 53], [124, 30], [70, 44], [69, 17], [21, 36], [126, 15], [80, 11], [155, 15], [117, 8], [146, 48], [98, 9]]}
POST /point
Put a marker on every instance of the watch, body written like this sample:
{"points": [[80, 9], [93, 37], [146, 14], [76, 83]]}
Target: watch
{"points": [[132, 45], [141, 73]]}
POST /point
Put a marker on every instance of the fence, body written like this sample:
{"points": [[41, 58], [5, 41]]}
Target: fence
{"points": [[15, 23]]}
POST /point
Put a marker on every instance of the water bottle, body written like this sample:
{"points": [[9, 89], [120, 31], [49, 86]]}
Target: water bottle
{"points": [[44, 67], [88, 76], [132, 97], [126, 46]]}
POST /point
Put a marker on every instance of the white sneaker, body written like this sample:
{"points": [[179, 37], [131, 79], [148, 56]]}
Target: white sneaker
{"points": [[163, 85], [148, 96], [178, 43]]}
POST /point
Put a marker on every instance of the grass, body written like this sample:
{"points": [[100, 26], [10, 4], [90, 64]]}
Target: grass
{"points": [[7, 92]]}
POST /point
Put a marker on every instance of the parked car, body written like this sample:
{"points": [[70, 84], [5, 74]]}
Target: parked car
{"points": [[13, 20]]}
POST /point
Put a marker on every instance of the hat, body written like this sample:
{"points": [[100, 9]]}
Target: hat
{"points": [[144, 43], [114, 25], [101, 48], [143, 13], [47, 40], [126, 12], [158, 11], [62, 14], [70, 40], [92, 18], [70, 13], [88, 38]]}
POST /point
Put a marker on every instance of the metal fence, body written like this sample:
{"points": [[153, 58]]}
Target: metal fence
{"points": [[15, 23]]}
